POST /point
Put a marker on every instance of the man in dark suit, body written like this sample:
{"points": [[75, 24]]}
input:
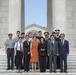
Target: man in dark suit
{"points": [[52, 52], [26, 46], [64, 51], [57, 35], [46, 34]]}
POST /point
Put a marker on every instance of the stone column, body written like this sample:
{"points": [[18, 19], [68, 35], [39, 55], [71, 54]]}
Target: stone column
{"points": [[22, 16], [14, 16], [49, 16], [59, 15]]}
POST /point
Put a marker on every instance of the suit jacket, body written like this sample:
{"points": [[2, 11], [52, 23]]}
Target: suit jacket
{"points": [[52, 49], [58, 40], [64, 49], [42, 46], [26, 47], [46, 40]]}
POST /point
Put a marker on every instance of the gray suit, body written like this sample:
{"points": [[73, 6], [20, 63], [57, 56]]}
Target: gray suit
{"points": [[52, 51]]}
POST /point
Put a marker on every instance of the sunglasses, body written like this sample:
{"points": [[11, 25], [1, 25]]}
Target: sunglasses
{"points": [[57, 30]]}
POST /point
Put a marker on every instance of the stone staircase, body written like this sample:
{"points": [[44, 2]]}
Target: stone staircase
{"points": [[71, 66]]}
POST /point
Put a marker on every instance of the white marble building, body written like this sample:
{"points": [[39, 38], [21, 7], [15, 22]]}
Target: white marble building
{"points": [[11, 18], [61, 14], [34, 28]]}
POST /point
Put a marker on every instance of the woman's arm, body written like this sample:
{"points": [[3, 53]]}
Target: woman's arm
{"points": [[15, 47], [31, 49]]}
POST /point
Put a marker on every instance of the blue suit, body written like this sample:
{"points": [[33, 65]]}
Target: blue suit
{"points": [[63, 51]]}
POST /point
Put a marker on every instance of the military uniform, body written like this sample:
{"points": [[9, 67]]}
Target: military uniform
{"points": [[46, 42]]}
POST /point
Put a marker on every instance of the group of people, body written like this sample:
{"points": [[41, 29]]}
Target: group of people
{"points": [[35, 51]]}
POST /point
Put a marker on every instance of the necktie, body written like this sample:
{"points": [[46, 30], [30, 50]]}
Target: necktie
{"points": [[52, 44], [62, 42]]}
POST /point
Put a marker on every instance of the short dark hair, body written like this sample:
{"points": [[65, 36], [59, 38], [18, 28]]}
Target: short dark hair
{"points": [[57, 30], [10, 34], [18, 31], [62, 34], [46, 33], [20, 38], [22, 33], [26, 36], [39, 31], [34, 36], [29, 33], [52, 35]]}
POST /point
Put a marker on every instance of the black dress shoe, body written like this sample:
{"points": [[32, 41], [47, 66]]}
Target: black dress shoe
{"points": [[8, 69], [50, 71], [20, 71], [61, 71], [12, 69], [55, 71], [65, 72]]}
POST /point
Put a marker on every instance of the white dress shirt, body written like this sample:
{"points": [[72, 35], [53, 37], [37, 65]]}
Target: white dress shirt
{"points": [[17, 45], [52, 41], [63, 41]]}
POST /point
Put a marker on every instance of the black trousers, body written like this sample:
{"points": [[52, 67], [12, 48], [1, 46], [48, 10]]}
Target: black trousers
{"points": [[10, 57], [47, 62], [19, 56], [15, 62], [63, 59], [58, 62], [26, 62], [42, 62]]}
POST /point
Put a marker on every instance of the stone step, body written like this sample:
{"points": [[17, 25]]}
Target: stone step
{"points": [[47, 71], [38, 73], [69, 59], [71, 65], [4, 68], [70, 68], [69, 62], [4, 57]]}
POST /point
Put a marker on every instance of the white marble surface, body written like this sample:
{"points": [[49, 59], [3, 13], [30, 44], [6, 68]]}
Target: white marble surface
{"points": [[59, 15], [14, 16]]}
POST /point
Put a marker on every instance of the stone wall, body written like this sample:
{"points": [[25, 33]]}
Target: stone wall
{"points": [[4, 17], [71, 21]]}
